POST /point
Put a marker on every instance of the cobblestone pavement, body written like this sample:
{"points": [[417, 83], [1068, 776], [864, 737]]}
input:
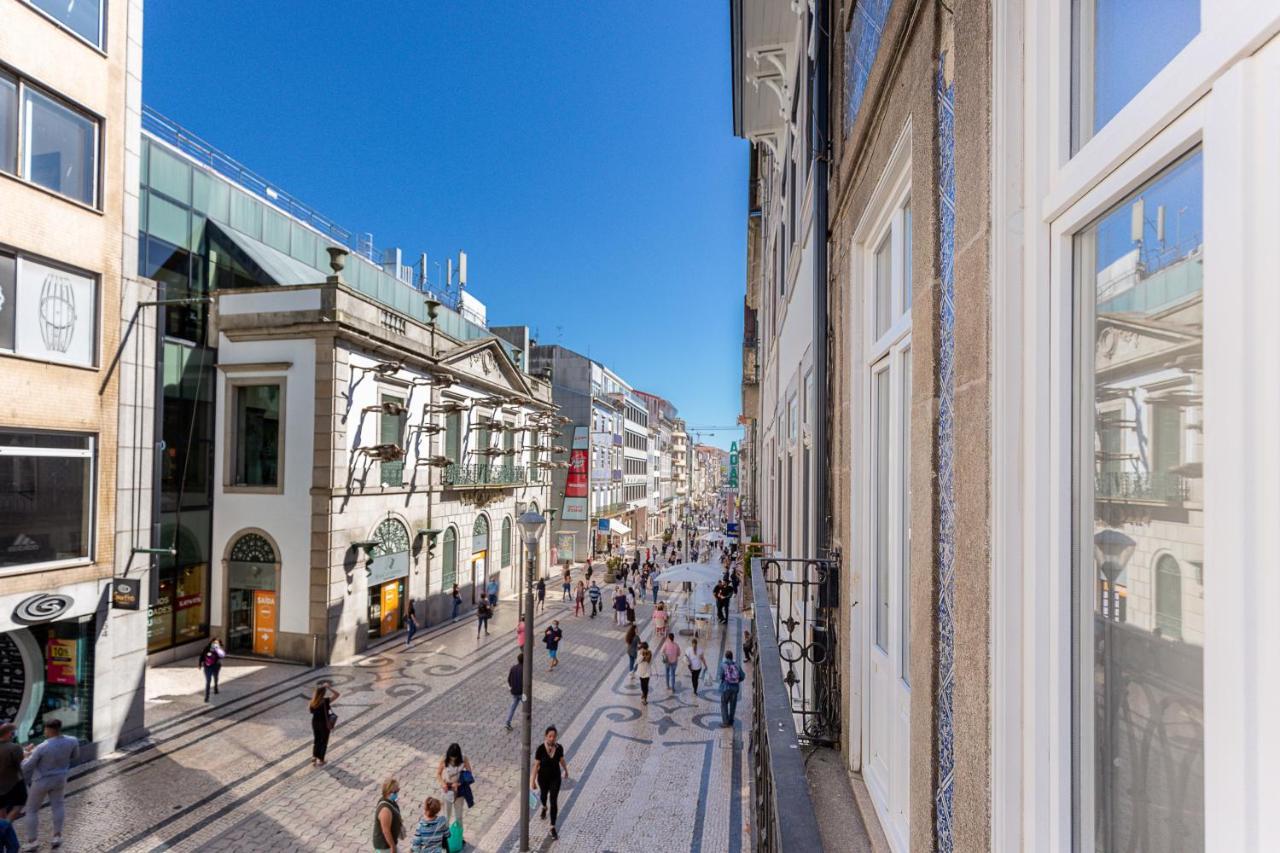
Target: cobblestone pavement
{"points": [[236, 775]]}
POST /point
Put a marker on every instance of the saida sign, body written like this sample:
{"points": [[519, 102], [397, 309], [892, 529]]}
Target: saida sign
{"points": [[733, 465]]}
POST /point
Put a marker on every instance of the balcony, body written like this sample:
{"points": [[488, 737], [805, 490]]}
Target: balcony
{"points": [[1163, 488], [485, 476]]}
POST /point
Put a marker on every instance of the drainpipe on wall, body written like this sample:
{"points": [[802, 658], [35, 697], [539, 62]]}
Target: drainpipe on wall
{"points": [[821, 359]]}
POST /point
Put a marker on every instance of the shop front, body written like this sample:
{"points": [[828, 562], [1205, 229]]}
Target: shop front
{"points": [[253, 583], [388, 570], [47, 656]]}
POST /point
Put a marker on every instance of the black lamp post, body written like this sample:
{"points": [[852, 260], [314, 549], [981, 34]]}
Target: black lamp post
{"points": [[531, 524]]}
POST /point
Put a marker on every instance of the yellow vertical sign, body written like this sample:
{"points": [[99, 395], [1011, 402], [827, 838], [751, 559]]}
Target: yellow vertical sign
{"points": [[264, 622]]}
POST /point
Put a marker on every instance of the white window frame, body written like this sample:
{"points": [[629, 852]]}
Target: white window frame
{"points": [[100, 45], [882, 217], [1209, 93], [90, 453], [23, 170]]}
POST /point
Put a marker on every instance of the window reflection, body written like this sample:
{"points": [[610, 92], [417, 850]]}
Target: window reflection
{"points": [[1118, 47], [1140, 276]]}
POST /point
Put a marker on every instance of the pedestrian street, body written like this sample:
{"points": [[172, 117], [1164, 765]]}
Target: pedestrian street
{"points": [[236, 775]]}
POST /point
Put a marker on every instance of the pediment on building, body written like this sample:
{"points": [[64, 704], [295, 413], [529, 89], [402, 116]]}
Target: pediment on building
{"points": [[487, 362]]}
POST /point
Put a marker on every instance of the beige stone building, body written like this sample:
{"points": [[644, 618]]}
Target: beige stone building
{"points": [[75, 401]]}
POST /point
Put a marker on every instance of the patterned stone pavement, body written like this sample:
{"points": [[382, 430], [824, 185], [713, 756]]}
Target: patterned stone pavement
{"points": [[236, 775]]}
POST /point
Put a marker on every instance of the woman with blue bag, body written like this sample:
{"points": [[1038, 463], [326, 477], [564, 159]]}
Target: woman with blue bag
{"points": [[456, 777]]}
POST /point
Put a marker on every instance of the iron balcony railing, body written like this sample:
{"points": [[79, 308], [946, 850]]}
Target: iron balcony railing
{"points": [[784, 816], [1126, 486], [497, 476], [802, 600]]}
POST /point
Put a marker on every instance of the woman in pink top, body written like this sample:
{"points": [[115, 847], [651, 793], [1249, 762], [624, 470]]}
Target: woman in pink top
{"points": [[520, 633], [670, 652], [660, 620]]}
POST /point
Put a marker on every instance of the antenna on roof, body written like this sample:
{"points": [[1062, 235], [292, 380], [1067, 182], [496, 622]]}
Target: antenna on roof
{"points": [[462, 271]]}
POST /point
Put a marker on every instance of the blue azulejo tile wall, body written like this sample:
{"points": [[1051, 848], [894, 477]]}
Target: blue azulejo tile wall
{"points": [[946, 544]]}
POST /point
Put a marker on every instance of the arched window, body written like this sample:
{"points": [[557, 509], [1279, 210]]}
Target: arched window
{"points": [[392, 537], [1169, 597], [449, 560], [480, 535], [506, 542], [252, 548]]}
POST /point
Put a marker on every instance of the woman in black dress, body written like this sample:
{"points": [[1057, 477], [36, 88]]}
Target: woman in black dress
{"points": [[322, 719]]}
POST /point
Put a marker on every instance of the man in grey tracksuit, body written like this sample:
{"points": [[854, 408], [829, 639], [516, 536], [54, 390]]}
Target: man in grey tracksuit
{"points": [[47, 767]]}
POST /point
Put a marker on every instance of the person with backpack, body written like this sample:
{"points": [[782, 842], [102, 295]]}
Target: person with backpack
{"points": [[210, 662], [644, 670], [552, 637], [670, 653], [483, 613], [515, 681], [593, 592], [388, 827], [730, 677]]}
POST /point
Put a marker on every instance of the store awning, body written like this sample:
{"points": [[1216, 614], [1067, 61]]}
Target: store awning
{"points": [[618, 527]]}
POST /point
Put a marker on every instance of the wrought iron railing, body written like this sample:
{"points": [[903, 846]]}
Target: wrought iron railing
{"points": [[784, 817], [485, 475], [1158, 488], [803, 603]]}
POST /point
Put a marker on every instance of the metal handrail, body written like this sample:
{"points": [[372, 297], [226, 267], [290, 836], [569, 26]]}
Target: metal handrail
{"points": [[785, 818], [484, 475]]}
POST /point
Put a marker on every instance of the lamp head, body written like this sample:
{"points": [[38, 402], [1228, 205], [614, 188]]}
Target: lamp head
{"points": [[531, 524]]}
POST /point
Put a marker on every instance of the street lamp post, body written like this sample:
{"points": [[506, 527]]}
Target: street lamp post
{"points": [[531, 524]]}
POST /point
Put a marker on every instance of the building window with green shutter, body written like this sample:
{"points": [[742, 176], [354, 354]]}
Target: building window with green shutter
{"points": [[449, 560], [453, 437], [506, 542], [391, 431]]}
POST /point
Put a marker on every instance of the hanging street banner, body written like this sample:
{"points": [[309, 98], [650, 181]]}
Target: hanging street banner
{"points": [[575, 485], [733, 465]]}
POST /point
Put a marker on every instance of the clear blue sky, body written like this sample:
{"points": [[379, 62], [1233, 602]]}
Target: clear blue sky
{"points": [[581, 153]]}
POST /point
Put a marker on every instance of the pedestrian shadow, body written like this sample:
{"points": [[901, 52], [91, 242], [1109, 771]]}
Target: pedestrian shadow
{"points": [[347, 779]]}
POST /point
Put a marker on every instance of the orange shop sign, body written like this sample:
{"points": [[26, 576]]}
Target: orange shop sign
{"points": [[264, 622]]}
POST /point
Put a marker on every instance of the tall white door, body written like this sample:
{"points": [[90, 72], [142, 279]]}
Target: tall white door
{"points": [[886, 720]]}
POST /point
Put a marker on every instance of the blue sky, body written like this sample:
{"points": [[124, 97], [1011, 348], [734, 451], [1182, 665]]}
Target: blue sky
{"points": [[580, 153]]}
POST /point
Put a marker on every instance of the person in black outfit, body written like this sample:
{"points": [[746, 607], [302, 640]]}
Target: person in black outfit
{"points": [[322, 720], [542, 593], [548, 761]]}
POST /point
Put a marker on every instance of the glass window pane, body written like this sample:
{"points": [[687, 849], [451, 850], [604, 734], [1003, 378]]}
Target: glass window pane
{"points": [[8, 304], [1140, 570], [8, 124], [1119, 46], [246, 214], [305, 244], [880, 459], [45, 509], [60, 147], [883, 286], [391, 431], [906, 257], [275, 230], [904, 437], [83, 17], [211, 196], [169, 222], [169, 175], [257, 439]]}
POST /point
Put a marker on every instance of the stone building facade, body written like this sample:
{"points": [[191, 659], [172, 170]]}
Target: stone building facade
{"points": [[74, 370]]}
